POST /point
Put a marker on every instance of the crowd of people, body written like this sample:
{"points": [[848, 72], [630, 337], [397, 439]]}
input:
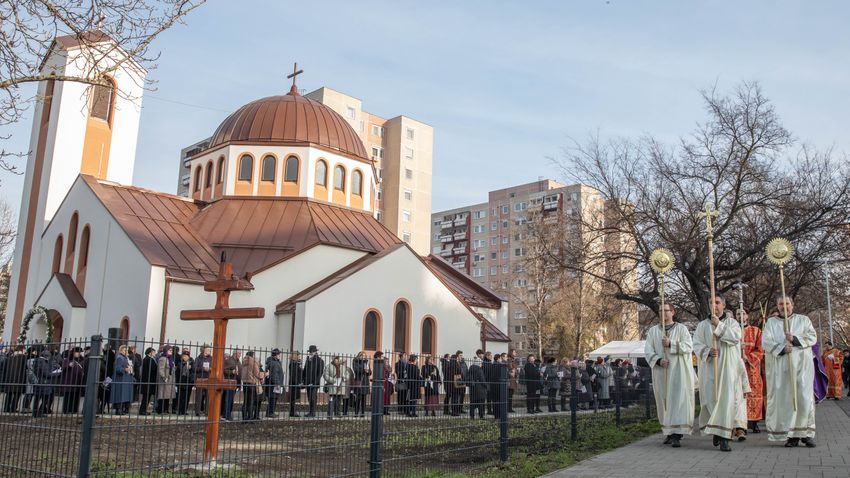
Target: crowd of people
{"points": [[163, 381]]}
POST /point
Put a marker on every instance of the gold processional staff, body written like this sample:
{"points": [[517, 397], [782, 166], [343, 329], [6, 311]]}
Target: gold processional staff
{"points": [[661, 261], [780, 251]]}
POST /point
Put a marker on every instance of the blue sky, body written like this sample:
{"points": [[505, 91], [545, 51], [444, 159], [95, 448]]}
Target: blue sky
{"points": [[505, 84]]}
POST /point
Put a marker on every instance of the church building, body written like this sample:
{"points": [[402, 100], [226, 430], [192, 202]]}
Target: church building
{"points": [[285, 191]]}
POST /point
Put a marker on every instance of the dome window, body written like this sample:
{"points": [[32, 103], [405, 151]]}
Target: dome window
{"points": [[291, 170], [268, 168], [246, 168]]}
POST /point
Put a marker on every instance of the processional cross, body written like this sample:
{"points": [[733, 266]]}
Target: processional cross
{"points": [[223, 285], [295, 73]]}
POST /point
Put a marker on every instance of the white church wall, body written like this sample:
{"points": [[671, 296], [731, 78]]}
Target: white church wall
{"points": [[271, 287], [117, 276], [334, 318]]}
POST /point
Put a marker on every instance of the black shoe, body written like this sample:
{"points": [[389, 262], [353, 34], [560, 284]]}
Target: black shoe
{"points": [[809, 442], [294, 415], [756, 428], [668, 439], [676, 443], [792, 442], [715, 440], [724, 445]]}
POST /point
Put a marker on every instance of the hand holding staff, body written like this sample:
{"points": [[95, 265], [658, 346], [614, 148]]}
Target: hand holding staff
{"points": [[780, 251]]}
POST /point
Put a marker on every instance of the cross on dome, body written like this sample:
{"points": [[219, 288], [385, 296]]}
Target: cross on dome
{"points": [[295, 72]]}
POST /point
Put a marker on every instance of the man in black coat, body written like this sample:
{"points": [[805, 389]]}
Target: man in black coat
{"points": [[413, 378], [275, 381], [314, 368], [147, 379], [15, 379], [296, 377], [531, 378], [444, 368], [400, 370]]}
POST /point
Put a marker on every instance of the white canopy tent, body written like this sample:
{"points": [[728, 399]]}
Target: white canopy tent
{"points": [[622, 349]]}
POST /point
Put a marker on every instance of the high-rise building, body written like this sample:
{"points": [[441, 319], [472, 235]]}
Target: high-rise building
{"points": [[402, 149], [489, 240]]}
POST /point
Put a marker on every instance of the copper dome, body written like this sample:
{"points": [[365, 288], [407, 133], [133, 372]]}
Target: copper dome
{"points": [[289, 119]]}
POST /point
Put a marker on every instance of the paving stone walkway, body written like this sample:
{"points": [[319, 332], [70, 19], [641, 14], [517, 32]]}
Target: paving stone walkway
{"points": [[753, 458]]}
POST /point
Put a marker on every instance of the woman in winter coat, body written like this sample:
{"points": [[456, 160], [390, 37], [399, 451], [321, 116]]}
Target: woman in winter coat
{"points": [[431, 375], [184, 377], [296, 381], [361, 384], [552, 382], [477, 389], [73, 380], [603, 378], [165, 389], [564, 391], [251, 380], [336, 385], [121, 390]]}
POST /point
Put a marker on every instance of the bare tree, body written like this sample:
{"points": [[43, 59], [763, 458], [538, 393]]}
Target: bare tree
{"points": [[738, 162], [29, 28]]}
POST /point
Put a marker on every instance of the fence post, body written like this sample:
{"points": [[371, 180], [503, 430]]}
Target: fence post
{"points": [[617, 393], [646, 398], [89, 404], [503, 412], [573, 405], [377, 418]]}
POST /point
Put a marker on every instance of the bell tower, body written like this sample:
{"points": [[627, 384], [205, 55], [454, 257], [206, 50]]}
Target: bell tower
{"points": [[78, 128]]}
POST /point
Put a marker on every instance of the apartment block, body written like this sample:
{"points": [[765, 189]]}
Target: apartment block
{"points": [[402, 149], [487, 240]]}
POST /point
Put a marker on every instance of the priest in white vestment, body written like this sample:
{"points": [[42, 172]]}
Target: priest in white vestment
{"points": [[783, 350], [718, 406], [672, 376]]}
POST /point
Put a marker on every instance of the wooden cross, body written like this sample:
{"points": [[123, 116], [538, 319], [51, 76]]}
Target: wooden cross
{"points": [[223, 285], [295, 72]]}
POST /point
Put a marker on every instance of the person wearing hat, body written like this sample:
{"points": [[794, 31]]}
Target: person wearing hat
{"points": [[314, 368], [603, 379], [202, 367], [274, 370]]}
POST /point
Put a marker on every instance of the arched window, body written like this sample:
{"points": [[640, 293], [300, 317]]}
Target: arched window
{"points": [[268, 168], [72, 244], [208, 178], [429, 336], [83, 261], [220, 173], [290, 173], [57, 255], [339, 178], [246, 168], [197, 186], [401, 325], [125, 329], [357, 182], [101, 101], [322, 173], [372, 331]]}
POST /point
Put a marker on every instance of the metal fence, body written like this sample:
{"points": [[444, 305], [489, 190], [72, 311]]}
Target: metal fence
{"points": [[92, 408]]}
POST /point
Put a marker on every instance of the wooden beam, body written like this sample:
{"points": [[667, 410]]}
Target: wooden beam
{"points": [[213, 314]]}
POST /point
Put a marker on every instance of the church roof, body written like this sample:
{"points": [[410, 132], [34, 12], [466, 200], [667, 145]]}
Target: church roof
{"points": [[473, 293], [186, 237], [258, 232], [290, 119]]}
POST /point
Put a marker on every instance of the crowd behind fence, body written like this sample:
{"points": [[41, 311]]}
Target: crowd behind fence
{"points": [[101, 407]]}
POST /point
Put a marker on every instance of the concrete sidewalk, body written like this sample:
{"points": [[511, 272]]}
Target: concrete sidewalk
{"points": [[755, 457]]}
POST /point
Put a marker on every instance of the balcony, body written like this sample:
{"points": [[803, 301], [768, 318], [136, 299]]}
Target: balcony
{"points": [[459, 264], [550, 206], [446, 252], [460, 221], [459, 250], [446, 224], [445, 239], [461, 235]]}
